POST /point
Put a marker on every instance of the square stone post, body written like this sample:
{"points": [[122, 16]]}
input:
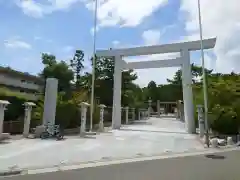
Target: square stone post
{"points": [[27, 117], [181, 111], [50, 101], [149, 107], [3, 105], [139, 114], [101, 122], [201, 120], [84, 107], [133, 114], [187, 92], [126, 111], [158, 108], [117, 86]]}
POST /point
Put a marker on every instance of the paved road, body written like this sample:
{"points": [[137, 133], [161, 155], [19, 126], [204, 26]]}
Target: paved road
{"points": [[181, 168], [154, 137]]}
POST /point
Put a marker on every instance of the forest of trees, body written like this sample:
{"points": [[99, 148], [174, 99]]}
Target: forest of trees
{"points": [[75, 87]]}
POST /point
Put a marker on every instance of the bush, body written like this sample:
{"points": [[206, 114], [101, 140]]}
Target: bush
{"points": [[15, 110], [223, 120]]}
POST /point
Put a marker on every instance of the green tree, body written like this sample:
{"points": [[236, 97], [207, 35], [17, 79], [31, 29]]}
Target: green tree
{"points": [[77, 66], [59, 70], [104, 72], [196, 75], [223, 102], [152, 91]]}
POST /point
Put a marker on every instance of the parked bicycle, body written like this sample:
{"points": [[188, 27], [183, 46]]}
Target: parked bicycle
{"points": [[52, 131]]}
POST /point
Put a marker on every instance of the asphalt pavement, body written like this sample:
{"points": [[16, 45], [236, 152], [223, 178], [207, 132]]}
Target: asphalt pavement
{"points": [[218, 166]]}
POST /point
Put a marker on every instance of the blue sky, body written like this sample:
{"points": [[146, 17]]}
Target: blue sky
{"points": [[30, 27]]}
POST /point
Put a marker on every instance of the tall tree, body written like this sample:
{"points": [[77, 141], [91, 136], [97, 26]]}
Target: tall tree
{"points": [[59, 70], [196, 75], [152, 91], [104, 72], [77, 66]]}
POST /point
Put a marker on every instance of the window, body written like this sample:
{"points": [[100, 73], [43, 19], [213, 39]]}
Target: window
{"points": [[23, 81]]}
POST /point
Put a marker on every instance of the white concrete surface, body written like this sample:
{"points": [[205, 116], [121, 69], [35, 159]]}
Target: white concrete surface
{"points": [[154, 137]]}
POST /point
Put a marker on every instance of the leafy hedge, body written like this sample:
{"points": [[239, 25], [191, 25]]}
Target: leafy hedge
{"points": [[15, 110], [224, 102], [68, 113]]}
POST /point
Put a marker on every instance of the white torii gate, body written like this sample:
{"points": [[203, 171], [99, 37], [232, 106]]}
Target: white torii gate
{"points": [[183, 61]]}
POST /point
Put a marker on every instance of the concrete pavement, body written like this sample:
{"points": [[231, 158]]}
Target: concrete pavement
{"points": [[147, 138], [225, 166]]}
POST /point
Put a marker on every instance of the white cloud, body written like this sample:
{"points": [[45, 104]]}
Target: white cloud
{"points": [[68, 49], [31, 8], [124, 12], [37, 38], [36, 9], [115, 43], [151, 37], [16, 43], [222, 21]]}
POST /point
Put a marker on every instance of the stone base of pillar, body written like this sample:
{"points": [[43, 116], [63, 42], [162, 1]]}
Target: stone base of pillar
{"points": [[101, 127], [39, 130], [4, 136], [87, 134]]}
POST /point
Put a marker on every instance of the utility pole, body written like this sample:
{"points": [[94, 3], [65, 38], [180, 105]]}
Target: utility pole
{"points": [[204, 77], [93, 65]]}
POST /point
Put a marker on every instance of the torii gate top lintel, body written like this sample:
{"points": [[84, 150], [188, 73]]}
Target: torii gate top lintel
{"points": [[159, 49]]}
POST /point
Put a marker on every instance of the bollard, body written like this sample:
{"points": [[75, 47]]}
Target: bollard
{"points": [[201, 120], [101, 122], [84, 107], [3, 105], [27, 117], [127, 109]]}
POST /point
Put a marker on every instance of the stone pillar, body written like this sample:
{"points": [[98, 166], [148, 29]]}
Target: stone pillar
{"points": [[126, 111], [230, 141], [201, 120], [84, 107], [181, 111], [187, 92], [3, 105], [50, 101], [149, 107], [139, 114], [178, 109], [101, 122], [133, 114], [27, 117], [145, 114], [116, 114], [158, 108]]}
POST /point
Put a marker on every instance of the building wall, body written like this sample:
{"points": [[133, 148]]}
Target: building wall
{"points": [[19, 82], [25, 86]]}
